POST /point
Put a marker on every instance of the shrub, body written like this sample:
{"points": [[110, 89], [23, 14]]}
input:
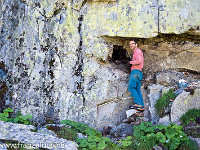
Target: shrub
{"points": [[94, 139], [189, 116], [146, 136], [163, 102]]}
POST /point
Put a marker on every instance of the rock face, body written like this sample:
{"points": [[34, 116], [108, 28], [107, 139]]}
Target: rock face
{"points": [[56, 53], [33, 140], [183, 103], [155, 92]]}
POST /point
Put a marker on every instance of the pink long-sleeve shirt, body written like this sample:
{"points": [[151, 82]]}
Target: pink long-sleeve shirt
{"points": [[137, 62]]}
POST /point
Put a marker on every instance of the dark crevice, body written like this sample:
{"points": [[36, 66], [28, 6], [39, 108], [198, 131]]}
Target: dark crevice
{"points": [[84, 2], [188, 70], [23, 1], [56, 11], [79, 63]]}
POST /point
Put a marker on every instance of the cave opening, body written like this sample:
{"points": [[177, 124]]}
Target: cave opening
{"points": [[120, 58]]}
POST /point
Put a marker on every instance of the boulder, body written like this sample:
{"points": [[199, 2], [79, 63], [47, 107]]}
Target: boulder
{"points": [[33, 140], [127, 131], [183, 103], [117, 130], [155, 92], [165, 120]]}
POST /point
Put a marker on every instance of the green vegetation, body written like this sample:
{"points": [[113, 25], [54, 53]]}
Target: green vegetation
{"points": [[190, 116], [163, 102], [188, 145], [94, 139], [193, 131], [171, 137], [145, 137], [5, 116], [64, 132]]}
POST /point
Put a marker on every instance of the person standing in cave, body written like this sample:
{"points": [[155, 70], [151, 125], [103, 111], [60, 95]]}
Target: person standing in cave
{"points": [[136, 77]]}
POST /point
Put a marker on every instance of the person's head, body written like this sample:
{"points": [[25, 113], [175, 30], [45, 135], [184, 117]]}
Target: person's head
{"points": [[132, 44]]}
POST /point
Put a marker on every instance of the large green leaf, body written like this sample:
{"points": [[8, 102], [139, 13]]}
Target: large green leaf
{"points": [[83, 143], [106, 139], [137, 132], [23, 117], [4, 119], [150, 129], [68, 122], [143, 126], [102, 145], [170, 133], [16, 120], [160, 127], [173, 145], [91, 138], [6, 114], [161, 137], [1, 115], [128, 137], [92, 145], [29, 116], [8, 110], [126, 143]]}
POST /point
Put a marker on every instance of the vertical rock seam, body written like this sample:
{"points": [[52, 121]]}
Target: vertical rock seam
{"points": [[158, 16], [79, 63]]}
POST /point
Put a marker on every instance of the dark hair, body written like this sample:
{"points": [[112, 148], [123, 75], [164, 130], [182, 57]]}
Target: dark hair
{"points": [[133, 40]]}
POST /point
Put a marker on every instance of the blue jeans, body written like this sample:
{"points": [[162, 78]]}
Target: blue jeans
{"points": [[134, 86]]}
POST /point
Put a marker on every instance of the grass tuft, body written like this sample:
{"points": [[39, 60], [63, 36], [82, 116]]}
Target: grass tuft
{"points": [[163, 102], [189, 116]]}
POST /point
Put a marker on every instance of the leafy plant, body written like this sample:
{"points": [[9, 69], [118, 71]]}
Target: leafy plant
{"points": [[189, 116], [127, 143], [5, 116], [163, 102], [94, 139], [23, 119], [146, 136]]}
